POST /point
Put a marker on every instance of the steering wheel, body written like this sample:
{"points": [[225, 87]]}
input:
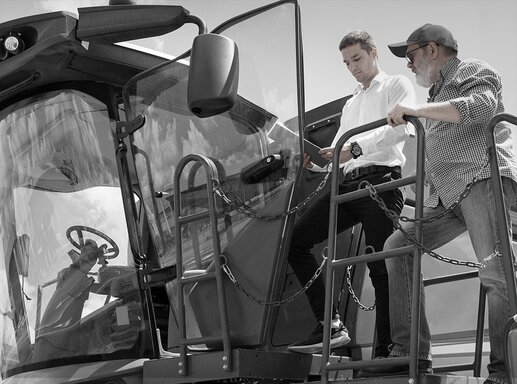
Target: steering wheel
{"points": [[109, 253]]}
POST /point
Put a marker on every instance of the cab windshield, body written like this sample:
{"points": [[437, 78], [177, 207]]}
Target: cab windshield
{"points": [[68, 280], [253, 150]]}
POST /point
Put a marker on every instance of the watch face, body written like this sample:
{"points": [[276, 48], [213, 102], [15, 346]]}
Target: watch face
{"points": [[356, 150]]}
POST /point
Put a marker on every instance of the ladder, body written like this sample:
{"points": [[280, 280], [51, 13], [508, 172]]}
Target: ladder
{"points": [[333, 264], [212, 174]]}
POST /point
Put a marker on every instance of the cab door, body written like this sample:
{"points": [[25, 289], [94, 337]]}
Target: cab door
{"points": [[253, 203]]}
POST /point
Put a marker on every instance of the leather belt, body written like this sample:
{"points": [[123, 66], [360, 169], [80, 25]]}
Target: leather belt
{"points": [[363, 171]]}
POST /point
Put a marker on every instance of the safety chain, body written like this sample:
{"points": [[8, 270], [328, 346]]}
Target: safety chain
{"points": [[227, 270], [242, 207], [397, 218], [352, 293], [351, 289], [453, 206], [245, 209]]}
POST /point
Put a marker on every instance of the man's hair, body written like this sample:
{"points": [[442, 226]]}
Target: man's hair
{"points": [[358, 37]]}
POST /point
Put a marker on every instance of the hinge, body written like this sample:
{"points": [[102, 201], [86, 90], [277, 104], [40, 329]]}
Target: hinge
{"points": [[126, 128]]}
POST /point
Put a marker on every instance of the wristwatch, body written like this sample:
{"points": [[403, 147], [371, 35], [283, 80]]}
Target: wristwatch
{"points": [[356, 150]]}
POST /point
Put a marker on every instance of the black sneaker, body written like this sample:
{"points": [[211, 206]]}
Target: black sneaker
{"points": [[314, 344]]}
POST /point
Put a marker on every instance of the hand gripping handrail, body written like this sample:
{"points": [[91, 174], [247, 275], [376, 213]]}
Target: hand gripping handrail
{"points": [[335, 199]]}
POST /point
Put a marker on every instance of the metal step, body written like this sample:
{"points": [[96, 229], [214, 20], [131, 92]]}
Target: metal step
{"points": [[423, 379], [248, 364], [272, 365]]}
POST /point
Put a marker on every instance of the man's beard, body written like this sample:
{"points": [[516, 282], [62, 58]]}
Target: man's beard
{"points": [[424, 75]]}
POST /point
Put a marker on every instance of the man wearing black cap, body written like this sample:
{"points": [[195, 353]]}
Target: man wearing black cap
{"points": [[463, 96]]}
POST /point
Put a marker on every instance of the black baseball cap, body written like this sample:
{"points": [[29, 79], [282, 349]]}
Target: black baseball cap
{"points": [[425, 34]]}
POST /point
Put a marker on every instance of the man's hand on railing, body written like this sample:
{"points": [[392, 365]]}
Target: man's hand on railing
{"points": [[396, 115], [440, 111]]}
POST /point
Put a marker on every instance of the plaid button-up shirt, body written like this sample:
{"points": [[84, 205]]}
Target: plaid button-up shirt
{"points": [[455, 153]]}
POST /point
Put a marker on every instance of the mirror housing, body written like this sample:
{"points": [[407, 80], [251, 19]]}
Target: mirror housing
{"points": [[113, 24], [213, 75]]}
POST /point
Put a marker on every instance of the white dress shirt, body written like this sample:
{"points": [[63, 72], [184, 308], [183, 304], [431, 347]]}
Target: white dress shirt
{"points": [[381, 146]]}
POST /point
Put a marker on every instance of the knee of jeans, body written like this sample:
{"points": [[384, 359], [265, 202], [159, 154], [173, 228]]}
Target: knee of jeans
{"points": [[396, 240], [491, 272]]}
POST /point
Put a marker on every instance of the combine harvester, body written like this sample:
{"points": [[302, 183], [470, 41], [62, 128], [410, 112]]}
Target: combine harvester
{"points": [[147, 206]]}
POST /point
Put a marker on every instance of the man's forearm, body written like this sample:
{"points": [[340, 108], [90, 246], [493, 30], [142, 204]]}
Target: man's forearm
{"points": [[443, 111]]}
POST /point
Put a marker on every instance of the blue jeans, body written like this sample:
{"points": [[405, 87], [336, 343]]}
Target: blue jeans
{"points": [[475, 214]]}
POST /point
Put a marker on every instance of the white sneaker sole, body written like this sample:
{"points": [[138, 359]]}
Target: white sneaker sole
{"points": [[316, 348]]}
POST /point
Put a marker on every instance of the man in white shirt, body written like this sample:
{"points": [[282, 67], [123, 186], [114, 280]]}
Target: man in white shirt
{"points": [[375, 156]]}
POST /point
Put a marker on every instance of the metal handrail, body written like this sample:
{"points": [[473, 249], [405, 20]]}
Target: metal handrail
{"points": [[506, 247], [335, 200]]}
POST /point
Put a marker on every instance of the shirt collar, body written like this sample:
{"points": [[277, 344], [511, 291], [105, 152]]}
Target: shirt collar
{"points": [[448, 70], [377, 79]]}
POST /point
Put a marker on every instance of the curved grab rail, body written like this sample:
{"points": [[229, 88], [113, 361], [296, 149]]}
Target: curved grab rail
{"points": [[212, 173], [506, 247]]}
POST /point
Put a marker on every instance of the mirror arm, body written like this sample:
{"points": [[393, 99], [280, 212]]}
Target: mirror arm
{"points": [[199, 22]]}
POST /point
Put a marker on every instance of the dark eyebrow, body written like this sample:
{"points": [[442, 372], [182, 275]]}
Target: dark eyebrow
{"points": [[353, 57]]}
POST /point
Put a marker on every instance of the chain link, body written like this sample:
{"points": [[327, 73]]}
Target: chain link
{"points": [[352, 293], [227, 270], [351, 289], [396, 219], [453, 206], [245, 209]]}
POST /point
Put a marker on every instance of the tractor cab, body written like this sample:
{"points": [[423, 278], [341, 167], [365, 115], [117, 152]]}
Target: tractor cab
{"points": [[130, 182]]}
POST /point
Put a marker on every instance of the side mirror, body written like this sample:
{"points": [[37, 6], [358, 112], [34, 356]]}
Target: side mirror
{"points": [[213, 75]]}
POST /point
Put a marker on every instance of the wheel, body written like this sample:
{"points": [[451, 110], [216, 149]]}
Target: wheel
{"points": [[109, 253]]}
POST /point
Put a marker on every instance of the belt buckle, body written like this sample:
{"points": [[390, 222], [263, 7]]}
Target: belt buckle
{"points": [[355, 173]]}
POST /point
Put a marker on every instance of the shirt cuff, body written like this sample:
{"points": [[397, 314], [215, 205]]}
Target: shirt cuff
{"points": [[462, 108]]}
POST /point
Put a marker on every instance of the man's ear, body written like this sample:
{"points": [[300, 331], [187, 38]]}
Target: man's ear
{"points": [[374, 53], [434, 49]]}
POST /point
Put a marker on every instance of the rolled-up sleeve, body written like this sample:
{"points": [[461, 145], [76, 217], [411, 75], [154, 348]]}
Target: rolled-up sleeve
{"points": [[481, 87]]}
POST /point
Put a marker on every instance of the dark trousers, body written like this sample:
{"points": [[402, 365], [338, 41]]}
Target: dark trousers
{"points": [[312, 229]]}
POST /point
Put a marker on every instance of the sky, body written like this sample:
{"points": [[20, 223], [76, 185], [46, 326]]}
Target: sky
{"points": [[484, 29]]}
